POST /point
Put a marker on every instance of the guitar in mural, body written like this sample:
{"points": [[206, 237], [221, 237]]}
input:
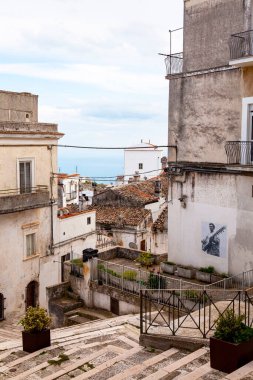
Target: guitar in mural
{"points": [[211, 243]]}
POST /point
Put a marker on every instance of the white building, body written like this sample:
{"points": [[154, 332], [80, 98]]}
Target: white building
{"points": [[28, 205], [68, 189], [146, 158]]}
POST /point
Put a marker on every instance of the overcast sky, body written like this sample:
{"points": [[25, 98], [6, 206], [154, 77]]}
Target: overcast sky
{"points": [[94, 65]]}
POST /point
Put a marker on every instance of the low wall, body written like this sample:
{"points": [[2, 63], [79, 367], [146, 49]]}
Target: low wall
{"points": [[130, 254], [128, 303]]}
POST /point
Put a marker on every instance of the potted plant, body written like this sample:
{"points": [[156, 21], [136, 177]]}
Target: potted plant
{"points": [[146, 259], [36, 334], [186, 271], [168, 267], [232, 344], [205, 274]]}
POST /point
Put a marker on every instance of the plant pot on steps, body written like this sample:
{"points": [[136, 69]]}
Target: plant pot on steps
{"points": [[227, 357], [35, 341]]}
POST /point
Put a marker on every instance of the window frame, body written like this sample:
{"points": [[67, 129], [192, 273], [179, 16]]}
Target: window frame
{"points": [[32, 162]]}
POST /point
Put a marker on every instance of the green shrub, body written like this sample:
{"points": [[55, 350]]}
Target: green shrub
{"points": [[101, 267], [209, 269], [77, 262], [145, 259], [35, 320], [130, 275], [230, 328], [192, 294], [156, 282]]}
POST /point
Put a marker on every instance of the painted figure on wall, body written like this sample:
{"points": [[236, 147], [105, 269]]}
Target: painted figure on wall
{"points": [[211, 242]]}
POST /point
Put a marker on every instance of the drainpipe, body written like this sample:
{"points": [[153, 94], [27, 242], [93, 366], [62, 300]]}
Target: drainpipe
{"points": [[52, 200]]}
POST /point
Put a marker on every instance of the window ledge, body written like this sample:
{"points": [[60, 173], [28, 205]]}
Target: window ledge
{"points": [[31, 257]]}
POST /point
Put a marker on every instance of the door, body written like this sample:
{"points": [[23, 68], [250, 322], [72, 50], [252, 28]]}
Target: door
{"points": [[63, 259], [114, 306], [1, 307], [143, 245], [32, 292], [25, 176]]}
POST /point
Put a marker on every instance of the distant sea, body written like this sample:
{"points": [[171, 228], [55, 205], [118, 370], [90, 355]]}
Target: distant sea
{"points": [[92, 166]]}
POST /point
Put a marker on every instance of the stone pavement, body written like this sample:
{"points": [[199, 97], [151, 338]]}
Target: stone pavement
{"points": [[107, 349]]}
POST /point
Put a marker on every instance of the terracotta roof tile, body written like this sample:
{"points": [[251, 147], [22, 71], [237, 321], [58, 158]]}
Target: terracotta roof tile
{"points": [[110, 215]]}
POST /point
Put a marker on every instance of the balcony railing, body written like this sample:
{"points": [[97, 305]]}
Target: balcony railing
{"points": [[23, 190], [71, 196], [174, 63], [19, 199], [239, 152], [241, 45]]}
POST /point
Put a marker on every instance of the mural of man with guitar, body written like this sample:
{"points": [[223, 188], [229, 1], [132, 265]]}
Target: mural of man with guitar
{"points": [[211, 242]]}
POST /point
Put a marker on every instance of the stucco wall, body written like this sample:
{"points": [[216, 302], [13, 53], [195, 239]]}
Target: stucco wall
{"points": [[212, 198], [15, 106], [207, 28], [151, 160], [17, 270], [41, 157], [204, 113]]}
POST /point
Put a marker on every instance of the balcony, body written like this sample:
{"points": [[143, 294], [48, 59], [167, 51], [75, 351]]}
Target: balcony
{"points": [[241, 49], [174, 64], [13, 200], [239, 152]]}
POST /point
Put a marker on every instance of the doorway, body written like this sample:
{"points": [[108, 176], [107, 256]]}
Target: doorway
{"points": [[143, 245], [32, 294], [114, 306]]}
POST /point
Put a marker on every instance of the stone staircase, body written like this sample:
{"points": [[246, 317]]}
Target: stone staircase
{"points": [[106, 349]]}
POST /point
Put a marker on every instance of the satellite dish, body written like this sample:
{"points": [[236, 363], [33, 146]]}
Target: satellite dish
{"points": [[133, 245]]}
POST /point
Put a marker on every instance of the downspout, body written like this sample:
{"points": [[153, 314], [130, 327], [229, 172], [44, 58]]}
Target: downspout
{"points": [[52, 200]]}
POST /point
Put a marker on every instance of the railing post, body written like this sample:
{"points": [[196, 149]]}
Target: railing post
{"points": [[122, 277], [141, 311], [106, 271]]}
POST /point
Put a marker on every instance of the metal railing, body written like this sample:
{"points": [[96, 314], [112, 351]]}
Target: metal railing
{"points": [[132, 280], [239, 152], [241, 281], [76, 270], [174, 63], [193, 313], [241, 45], [24, 190]]}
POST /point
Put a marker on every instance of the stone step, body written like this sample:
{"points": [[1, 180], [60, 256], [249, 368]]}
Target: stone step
{"points": [[87, 359], [244, 372], [174, 366], [147, 363]]}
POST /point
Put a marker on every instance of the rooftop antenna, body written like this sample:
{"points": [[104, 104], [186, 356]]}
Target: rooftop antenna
{"points": [[76, 168]]}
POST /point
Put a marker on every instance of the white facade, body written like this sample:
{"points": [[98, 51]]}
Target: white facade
{"points": [[144, 159], [27, 209], [75, 232], [69, 188], [224, 200]]}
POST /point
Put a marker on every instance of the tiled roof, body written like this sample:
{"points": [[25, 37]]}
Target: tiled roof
{"points": [[131, 216], [161, 222], [137, 192], [65, 175]]}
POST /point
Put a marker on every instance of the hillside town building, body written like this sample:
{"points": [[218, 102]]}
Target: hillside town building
{"points": [[143, 162], [36, 238], [210, 203]]}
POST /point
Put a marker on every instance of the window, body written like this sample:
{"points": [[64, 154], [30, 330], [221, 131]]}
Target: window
{"points": [[89, 220], [25, 176], [30, 245], [140, 165]]}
